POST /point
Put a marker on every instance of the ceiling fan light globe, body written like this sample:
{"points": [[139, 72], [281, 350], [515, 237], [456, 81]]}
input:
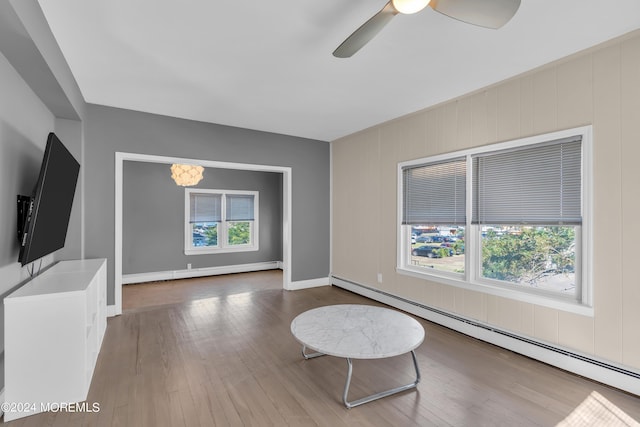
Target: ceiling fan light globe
{"points": [[408, 7]]}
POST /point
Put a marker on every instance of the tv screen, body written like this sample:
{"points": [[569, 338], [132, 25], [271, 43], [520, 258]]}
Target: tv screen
{"points": [[49, 209]]}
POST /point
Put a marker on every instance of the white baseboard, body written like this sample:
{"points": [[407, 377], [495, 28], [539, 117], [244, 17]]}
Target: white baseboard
{"points": [[606, 372], [311, 283], [128, 279], [111, 311]]}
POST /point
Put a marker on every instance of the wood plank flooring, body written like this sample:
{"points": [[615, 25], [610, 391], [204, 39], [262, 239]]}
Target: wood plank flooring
{"points": [[219, 352]]}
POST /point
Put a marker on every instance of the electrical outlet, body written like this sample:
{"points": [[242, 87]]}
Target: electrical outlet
{"points": [[188, 266], [379, 277]]}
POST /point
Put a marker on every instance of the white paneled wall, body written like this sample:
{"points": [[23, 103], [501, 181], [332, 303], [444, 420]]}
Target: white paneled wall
{"points": [[601, 87]]}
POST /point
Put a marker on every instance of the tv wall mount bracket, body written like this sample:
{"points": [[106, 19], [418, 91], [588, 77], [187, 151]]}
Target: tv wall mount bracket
{"points": [[24, 203]]}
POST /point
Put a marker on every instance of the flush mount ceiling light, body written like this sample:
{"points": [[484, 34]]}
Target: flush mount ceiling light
{"points": [[186, 175]]}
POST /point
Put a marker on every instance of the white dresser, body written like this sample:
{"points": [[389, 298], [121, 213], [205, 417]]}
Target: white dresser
{"points": [[53, 328]]}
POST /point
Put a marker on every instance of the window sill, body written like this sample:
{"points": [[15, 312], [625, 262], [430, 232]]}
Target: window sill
{"points": [[542, 300]]}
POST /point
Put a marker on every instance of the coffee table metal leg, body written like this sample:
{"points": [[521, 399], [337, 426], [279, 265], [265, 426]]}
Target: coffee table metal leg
{"points": [[311, 355], [382, 393]]}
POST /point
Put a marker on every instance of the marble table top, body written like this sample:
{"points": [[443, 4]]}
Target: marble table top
{"points": [[357, 331]]}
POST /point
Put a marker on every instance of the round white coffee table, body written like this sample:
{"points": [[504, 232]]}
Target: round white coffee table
{"points": [[354, 331]]}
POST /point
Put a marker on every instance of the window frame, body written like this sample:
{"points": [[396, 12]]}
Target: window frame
{"points": [[471, 278], [223, 239]]}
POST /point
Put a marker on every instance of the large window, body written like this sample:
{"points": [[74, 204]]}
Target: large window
{"points": [[509, 219], [220, 221]]}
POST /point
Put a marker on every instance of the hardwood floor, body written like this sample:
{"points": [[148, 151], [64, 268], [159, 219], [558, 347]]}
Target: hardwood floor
{"points": [[219, 352]]}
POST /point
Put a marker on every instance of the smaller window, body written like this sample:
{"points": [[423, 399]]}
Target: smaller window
{"points": [[434, 214], [219, 221]]}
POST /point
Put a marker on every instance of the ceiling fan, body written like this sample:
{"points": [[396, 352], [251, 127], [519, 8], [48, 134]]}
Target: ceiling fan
{"points": [[484, 13]]}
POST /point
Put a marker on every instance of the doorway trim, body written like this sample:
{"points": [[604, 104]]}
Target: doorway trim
{"points": [[121, 157]]}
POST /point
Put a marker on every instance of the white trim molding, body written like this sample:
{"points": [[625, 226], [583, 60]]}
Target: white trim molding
{"points": [[311, 283], [606, 372], [155, 276], [121, 157], [111, 311]]}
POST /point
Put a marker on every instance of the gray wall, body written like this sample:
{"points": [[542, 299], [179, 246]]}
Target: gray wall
{"points": [[153, 218], [108, 130], [24, 125], [32, 103]]}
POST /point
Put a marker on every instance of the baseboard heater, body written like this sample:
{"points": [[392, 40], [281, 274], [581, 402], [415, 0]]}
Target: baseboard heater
{"points": [[589, 367]]}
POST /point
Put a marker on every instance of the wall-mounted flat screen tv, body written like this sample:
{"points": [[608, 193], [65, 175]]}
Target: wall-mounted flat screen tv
{"points": [[49, 207]]}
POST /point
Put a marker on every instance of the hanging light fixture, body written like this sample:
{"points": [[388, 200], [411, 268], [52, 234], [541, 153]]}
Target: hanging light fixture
{"points": [[186, 175]]}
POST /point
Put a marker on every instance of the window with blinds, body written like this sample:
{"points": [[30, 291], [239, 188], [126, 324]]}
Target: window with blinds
{"points": [[527, 202], [435, 193], [220, 221], [434, 207], [205, 208], [530, 185], [240, 207], [505, 216]]}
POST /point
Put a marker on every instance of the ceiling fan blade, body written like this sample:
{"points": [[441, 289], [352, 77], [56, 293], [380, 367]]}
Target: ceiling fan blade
{"points": [[484, 13], [366, 32]]}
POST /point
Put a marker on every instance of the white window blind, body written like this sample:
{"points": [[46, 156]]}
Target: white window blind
{"points": [[205, 208], [539, 184], [240, 207], [435, 193]]}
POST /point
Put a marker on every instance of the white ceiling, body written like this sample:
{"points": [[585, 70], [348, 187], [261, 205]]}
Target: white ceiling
{"points": [[267, 65]]}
